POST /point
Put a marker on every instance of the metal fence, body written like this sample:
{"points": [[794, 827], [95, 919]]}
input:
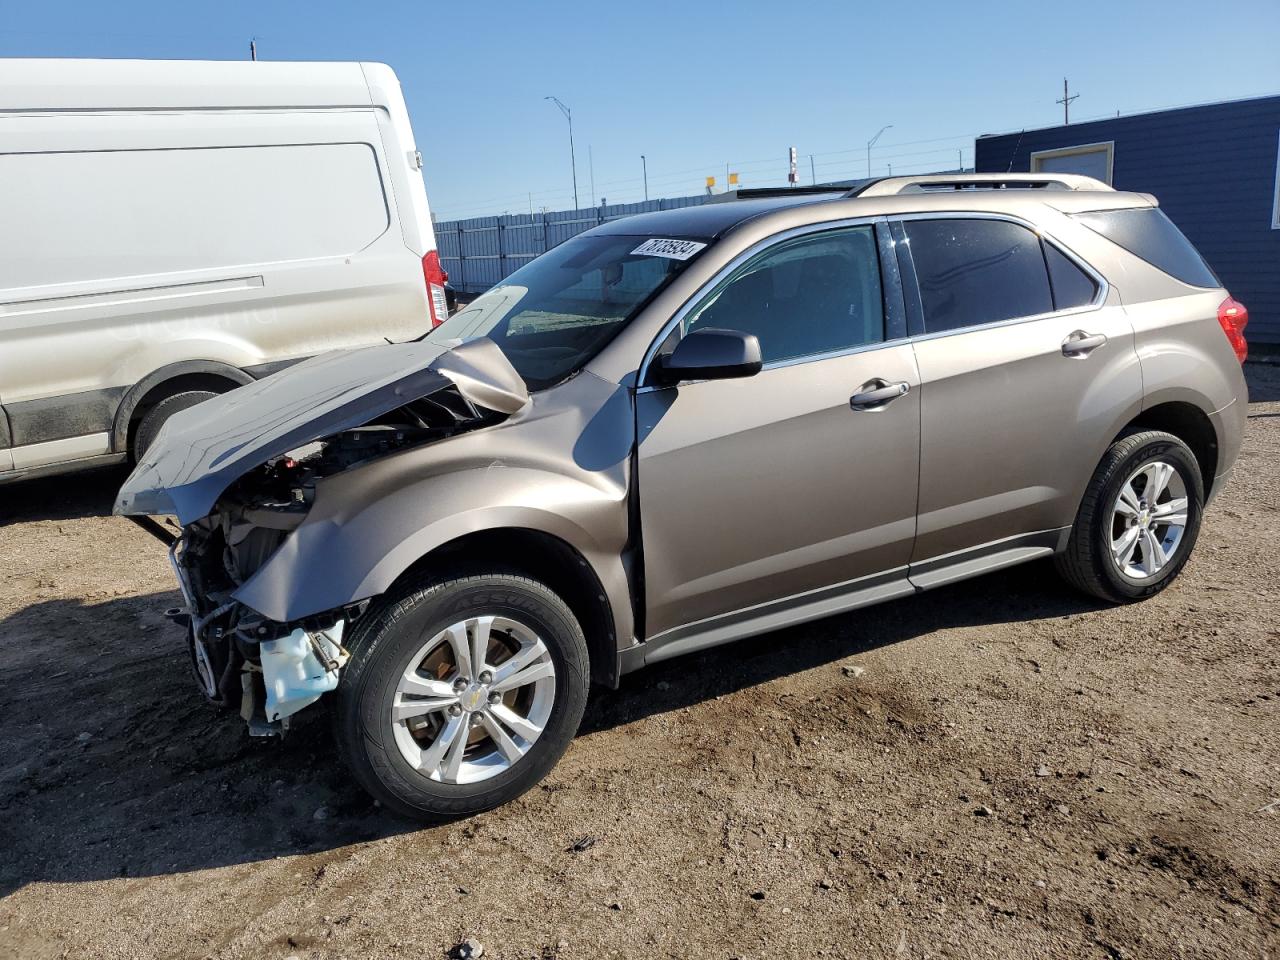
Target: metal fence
{"points": [[483, 251]]}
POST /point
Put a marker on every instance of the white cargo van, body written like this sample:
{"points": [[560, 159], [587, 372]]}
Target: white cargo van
{"points": [[170, 230]]}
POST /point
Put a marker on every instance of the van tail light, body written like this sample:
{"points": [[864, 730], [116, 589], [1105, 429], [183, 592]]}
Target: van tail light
{"points": [[1233, 318], [436, 278]]}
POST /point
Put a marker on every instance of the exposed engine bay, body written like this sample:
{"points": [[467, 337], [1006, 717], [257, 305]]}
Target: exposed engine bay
{"points": [[271, 670]]}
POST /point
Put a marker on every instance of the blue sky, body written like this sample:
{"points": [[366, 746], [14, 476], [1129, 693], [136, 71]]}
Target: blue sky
{"points": [[697, 85]]}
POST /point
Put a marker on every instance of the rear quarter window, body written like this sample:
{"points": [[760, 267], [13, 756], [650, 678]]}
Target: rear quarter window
{"points": [[1148, 234], [1072, 287]]}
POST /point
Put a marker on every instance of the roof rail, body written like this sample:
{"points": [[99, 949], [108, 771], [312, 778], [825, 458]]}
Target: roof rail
{"points": [[936, 183], [755, 193]]}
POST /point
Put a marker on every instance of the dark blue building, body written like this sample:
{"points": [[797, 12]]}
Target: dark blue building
{"points": [[1214, 168]]}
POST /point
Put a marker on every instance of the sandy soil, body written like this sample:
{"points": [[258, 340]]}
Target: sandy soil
{"points": [[1019, 772]]}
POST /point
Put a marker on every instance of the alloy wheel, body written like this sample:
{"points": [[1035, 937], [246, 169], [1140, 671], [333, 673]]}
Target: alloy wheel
{"points": [[474, 699], [1148, 520]]}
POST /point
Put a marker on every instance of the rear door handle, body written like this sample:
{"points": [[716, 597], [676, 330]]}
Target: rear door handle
{"points": [[876, 393], [1080, 343]]}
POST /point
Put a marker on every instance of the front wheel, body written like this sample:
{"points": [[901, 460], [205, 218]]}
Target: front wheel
{"points": [[461, 694], [1139, 519]]}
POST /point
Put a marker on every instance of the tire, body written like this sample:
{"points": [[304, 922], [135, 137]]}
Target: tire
{"points": [[1090, 562], [387, 646], [151, 422]]}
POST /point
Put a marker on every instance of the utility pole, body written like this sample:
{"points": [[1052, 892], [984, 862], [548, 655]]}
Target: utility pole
{"points": [[644, 167], [872, 142], [253, 48], [813, 176], [573, 160], [1066, 103]]}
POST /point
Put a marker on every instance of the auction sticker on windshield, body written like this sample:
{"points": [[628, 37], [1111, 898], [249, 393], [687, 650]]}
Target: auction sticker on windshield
{"points": [[671, 249]]}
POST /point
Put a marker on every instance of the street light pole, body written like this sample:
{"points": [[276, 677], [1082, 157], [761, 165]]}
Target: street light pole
{"points": [[644, 165], [591, 167], [573, 160], [871, 143]]}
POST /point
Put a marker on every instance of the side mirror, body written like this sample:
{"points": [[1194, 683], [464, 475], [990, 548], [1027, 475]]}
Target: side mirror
{"points": [[711, 354]]}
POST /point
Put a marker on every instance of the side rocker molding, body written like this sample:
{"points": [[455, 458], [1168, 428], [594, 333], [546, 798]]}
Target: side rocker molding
{"points": [[844, 597]]}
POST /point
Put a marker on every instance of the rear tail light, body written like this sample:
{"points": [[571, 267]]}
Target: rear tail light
{"points": [[1233, 318], [436, 278]]}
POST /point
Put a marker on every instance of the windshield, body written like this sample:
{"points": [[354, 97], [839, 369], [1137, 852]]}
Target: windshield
{"points": [[554, 314]]}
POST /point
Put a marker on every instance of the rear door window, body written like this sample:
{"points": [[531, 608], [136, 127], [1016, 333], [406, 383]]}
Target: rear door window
{"points": [[1147, 233], [972, 272]]}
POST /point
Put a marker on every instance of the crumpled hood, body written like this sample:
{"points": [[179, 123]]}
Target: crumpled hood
{"points": [[203, 450]]}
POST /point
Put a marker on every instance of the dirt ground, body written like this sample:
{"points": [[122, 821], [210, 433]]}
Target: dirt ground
{"points": [[1018, 772]]}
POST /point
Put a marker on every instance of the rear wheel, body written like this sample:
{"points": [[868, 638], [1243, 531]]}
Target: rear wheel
{"points": [[1139, 519], [154, 419], [461, 694]]}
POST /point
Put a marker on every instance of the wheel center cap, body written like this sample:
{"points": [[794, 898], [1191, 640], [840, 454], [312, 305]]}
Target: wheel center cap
{"points": [[473, 698]]}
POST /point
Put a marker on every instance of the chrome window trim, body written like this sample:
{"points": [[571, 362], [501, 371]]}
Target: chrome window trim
{"points": [[833, 354], [1098, 302]]}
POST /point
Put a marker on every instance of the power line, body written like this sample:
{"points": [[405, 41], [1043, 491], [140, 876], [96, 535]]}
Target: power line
{"points": [[692, 175], [479, 208]]}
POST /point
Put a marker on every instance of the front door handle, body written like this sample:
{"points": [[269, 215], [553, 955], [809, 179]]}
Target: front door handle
{"points": [[876, 393], [1080, 343]]}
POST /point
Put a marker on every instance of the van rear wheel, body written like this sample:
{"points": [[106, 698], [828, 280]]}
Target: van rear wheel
{"points": [[1139, 519], [149, 426], [461, 694]]}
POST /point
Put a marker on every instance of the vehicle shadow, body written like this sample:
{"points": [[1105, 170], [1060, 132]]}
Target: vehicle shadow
{"points": [[88, 494], [1028, 592], [112, 765]]}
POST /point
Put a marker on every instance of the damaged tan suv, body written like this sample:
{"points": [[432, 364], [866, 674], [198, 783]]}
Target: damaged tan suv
{"points": [[687, 427]]}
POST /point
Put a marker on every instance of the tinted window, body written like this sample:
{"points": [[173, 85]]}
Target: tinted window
{"points": [[977, 271], [557, 312], [813, 295], [1147, 233], [1072, 287]]}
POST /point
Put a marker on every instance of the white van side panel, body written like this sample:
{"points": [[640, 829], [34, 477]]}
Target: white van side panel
{"points": [[145, 239], [110, 215]]}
